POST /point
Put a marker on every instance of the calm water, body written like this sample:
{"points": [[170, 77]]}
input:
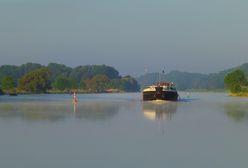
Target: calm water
{"points": [[203, 130]]}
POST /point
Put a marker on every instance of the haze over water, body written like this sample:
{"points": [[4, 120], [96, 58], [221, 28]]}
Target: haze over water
{"points": [[120, 130]]}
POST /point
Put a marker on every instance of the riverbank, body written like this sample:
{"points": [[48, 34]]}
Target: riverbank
{"points": [[78, 91], [241, 94]]}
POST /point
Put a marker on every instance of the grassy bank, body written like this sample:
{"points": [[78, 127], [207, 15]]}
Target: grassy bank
{"points": [[205, 90], [241, 94]]}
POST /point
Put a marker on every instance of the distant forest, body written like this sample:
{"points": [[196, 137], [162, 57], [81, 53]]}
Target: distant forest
{"points": [[37, 78], [191, 81]]}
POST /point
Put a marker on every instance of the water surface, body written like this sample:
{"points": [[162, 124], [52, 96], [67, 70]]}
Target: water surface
{"points": [[120, 130]]}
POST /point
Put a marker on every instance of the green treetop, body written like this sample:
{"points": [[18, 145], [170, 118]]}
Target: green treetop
{"points": [[7, 83], [235, 81], [36, 81]]}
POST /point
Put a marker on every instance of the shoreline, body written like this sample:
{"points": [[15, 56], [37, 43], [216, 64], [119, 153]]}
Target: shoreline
{"points": [[245, 94], [64, 92]]}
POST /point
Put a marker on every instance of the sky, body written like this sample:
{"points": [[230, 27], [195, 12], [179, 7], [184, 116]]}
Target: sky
{"points": [[134, 36]]}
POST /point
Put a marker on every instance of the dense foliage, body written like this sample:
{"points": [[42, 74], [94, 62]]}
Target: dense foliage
{"points": [[128, 83], [235, 81], [37, 78], [63, 83], [89, 71], [16, 72], [99, 83], [7, 83], [36, 81], [1, 91], [58, 70]]}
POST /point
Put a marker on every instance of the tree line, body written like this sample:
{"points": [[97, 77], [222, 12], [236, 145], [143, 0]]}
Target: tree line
{"points": [[36, 78], [189, 81]]}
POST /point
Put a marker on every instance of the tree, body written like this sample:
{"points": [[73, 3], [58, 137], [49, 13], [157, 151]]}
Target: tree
{"points": [[83, 84], [36, 81], [16, 72], [1, 91], [98, 83], [58, 70], [62, 83], [235, 80], [114, 84], [7, 83], [129, 84], [89, 71], [235, 88]]}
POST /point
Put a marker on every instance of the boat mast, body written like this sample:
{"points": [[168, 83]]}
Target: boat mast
{"points": [[163, 74], [160, 76]]}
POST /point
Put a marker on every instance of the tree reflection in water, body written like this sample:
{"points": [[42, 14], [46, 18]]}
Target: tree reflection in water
{"points": [[54, 111], [237, 111], [33, 111]]}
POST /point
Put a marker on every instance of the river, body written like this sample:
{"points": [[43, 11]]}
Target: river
{"points": [[201, 130]]}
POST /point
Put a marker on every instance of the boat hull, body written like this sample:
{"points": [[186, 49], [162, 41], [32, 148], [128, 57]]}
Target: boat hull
{"points": [[13, 94], [160, 95]]}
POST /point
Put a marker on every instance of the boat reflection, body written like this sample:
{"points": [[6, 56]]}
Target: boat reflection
{"points": [[159, 110]]}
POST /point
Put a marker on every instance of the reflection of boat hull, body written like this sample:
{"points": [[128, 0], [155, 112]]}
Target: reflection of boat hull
{"points": [[160, 94], [162, 110]]}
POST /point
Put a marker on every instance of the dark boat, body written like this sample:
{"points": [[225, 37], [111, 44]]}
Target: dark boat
{"points": [[12, 94], [161, 91]]}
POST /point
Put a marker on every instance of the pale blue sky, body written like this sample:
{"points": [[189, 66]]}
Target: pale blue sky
{"points": [[131, 35]]}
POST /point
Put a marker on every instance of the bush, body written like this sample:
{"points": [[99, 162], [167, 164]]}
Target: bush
{"points": [[235, 80], [8, 83], [235, 88], [1, 91], [36, 81]]}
